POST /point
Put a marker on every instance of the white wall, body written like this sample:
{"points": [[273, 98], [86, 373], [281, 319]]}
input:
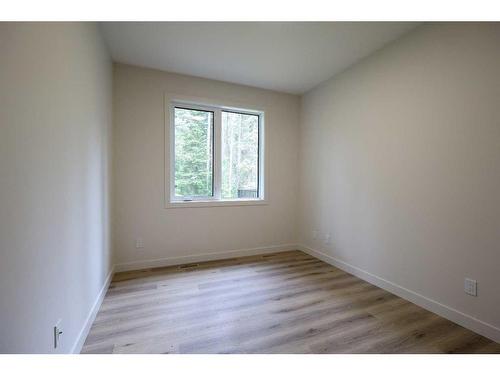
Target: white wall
{"points": [[55, 117], [139, 173], [400, 161]]}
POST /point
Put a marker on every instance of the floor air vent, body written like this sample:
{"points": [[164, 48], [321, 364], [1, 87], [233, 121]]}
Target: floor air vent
{"points": [[188, 266]]}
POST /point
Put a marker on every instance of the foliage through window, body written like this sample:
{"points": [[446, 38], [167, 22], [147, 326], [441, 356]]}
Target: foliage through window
{"points": [[217, 154], [193, 152], [240, 155]]}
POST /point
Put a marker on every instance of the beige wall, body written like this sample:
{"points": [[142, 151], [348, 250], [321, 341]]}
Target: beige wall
{"points": [[139, 174], [400, 161], [55, 118]]}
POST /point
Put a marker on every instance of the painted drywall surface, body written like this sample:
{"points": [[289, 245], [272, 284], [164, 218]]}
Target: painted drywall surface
{"points": [[400, 160], [55, 123], [139, 172]]}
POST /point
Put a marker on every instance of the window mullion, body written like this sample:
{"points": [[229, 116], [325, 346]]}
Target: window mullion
{"points": [[218, 154]]}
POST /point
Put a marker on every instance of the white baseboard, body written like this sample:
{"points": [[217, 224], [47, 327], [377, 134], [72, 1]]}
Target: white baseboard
{"points": [[171, 261], [77, 347], [438, 308]]}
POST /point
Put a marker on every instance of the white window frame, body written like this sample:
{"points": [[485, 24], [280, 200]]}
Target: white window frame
{"points": [[171, 201]]}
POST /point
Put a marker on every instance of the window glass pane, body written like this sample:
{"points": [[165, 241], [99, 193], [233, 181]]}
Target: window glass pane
{"points": [[240, 155], [193, 152]]}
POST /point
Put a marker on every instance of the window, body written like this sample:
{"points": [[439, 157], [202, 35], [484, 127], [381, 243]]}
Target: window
{"points": [[216, 155], [194, 151], [240, 155]]}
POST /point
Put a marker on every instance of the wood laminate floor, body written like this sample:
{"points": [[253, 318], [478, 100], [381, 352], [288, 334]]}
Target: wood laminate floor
{"points": [[286, 302]]}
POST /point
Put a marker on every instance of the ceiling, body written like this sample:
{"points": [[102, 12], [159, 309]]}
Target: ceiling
{"points": [[289, 57]]}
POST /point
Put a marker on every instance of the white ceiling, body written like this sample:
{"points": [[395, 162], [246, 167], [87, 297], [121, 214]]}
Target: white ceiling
{"points": [[290, 57]]}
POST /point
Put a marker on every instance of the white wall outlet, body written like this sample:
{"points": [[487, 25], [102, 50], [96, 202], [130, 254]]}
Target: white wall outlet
{"points": [[328, 239], [58, 331], [139, 243], [315, 234], [470, 287]]}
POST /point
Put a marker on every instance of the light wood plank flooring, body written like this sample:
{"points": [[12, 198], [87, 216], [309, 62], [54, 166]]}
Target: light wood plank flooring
{"points": [[286, 302]]}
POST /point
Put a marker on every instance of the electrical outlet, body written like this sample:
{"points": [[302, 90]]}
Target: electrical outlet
{"points": [[315, 234], [470, 287], [139, 243], [57, 333], [328, 239]]}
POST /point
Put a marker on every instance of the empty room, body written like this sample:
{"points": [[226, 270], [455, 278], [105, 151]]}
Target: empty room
{"points": [[250, 187]]}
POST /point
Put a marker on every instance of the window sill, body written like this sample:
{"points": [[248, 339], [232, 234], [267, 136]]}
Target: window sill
{"points": [[219, 203]]}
